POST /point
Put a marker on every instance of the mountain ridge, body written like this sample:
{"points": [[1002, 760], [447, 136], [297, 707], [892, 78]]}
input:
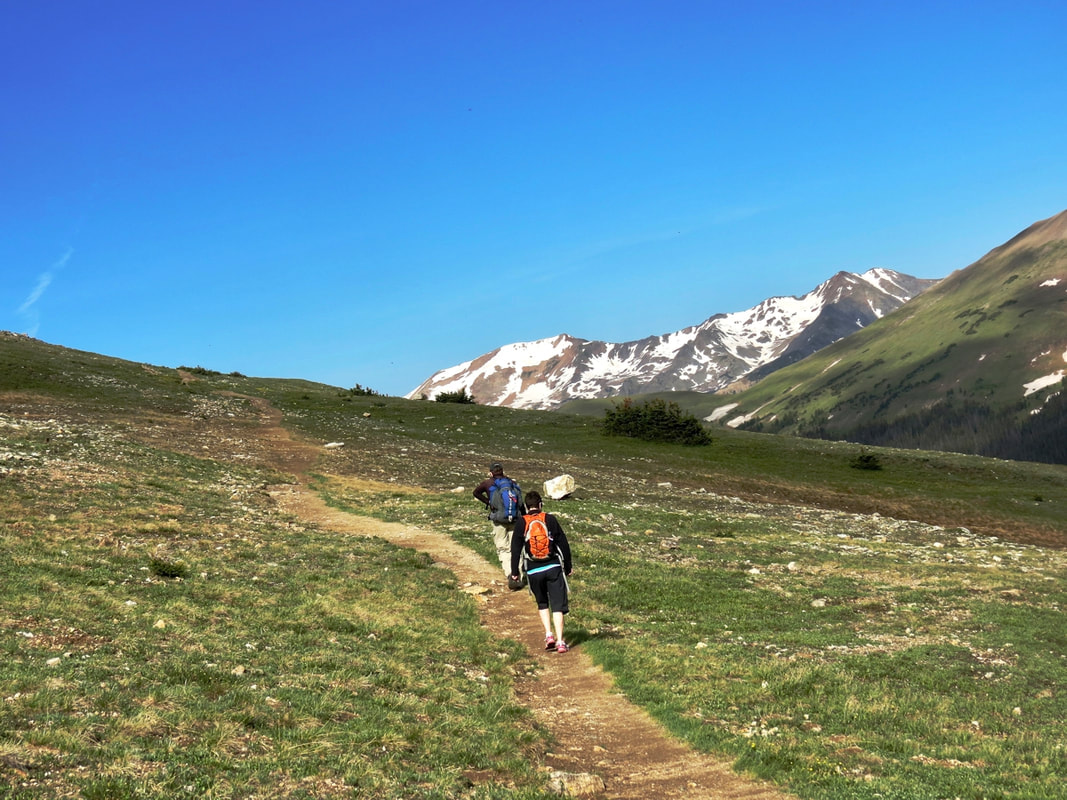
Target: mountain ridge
{"points": [[710, 356]]}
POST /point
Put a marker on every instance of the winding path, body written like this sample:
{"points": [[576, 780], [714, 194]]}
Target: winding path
{"points": [[599, 734]]}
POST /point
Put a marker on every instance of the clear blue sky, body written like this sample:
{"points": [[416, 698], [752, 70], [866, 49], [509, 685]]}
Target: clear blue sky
{"points": [[348, 191]]}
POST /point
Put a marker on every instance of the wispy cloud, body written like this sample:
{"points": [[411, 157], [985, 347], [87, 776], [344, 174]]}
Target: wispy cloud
{"points": [[563, 262], [28, 308]]}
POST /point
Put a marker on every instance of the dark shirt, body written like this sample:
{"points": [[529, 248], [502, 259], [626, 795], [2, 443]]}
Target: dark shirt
{"points": [[481, 491]]}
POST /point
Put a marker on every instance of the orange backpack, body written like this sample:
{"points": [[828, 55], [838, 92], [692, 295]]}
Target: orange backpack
{"points": [[537, 537]]}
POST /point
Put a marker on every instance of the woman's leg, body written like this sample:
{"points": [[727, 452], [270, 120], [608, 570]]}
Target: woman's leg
{"points": [[546, 620]]}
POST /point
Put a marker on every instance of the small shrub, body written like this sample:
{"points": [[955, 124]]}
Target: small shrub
{"points": [[363, 391], [866, 460], [455, 397], [654, 421], [167, 569], [198, 370]]}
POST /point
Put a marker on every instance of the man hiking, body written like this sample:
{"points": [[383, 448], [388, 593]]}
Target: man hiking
{"points": [[501, 496], [540, 546]]}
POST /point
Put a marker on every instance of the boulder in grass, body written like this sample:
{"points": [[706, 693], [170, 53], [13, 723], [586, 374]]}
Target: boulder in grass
{"points": [[559, 487]]}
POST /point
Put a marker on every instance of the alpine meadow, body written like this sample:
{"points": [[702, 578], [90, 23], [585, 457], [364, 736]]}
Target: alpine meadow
{"points": [[838, 620]]}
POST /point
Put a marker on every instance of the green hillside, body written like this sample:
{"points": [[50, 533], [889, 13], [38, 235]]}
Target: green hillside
{"points": [[948, 371]]}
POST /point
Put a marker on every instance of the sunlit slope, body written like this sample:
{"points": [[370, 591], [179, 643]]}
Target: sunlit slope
{"points": [[974, 364]]}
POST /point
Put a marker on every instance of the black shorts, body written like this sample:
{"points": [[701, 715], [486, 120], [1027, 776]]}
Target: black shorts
{"points": [[549, 589]]}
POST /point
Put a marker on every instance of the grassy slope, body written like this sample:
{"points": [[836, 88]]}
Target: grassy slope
{"points": [[847, 656], [978, 336]]}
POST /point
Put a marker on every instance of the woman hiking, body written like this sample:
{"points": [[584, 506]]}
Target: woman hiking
{"points": [[540, 546]]}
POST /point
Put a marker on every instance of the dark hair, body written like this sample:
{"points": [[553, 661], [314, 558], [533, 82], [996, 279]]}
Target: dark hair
{"points": [[533, 500], [496, 468]]}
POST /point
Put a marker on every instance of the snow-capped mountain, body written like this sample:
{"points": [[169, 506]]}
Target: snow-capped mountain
{"points": [[721, 351]]}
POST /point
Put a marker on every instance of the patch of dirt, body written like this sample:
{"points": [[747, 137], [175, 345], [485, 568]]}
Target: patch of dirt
{"points": [[596, 729]]}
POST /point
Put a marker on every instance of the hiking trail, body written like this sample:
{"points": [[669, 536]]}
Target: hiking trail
{"points": [[597, 731]]}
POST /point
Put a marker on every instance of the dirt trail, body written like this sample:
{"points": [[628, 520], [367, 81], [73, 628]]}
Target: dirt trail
{"points": [[597, 731]]}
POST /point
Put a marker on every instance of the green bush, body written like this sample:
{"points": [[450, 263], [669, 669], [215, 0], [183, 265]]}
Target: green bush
{"points": [[362, 391], [455, 397], [202, 371], [162, 568], [866, 460], [654, 421]]}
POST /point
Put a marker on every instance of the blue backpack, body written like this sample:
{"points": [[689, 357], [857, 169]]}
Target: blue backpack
{"points": [[504, 501]]}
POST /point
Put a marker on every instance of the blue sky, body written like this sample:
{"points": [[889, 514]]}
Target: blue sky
{"points": [[366, 192]]}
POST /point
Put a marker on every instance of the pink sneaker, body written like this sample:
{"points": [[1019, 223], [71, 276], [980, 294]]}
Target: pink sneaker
{"points": [[550, 642], [562, 647]]}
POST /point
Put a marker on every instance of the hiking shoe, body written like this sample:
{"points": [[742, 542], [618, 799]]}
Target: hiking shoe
{"points": [[562, 647], [550, 642]]}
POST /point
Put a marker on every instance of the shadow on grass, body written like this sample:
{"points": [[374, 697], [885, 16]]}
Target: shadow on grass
{"points": [[577, 635]]}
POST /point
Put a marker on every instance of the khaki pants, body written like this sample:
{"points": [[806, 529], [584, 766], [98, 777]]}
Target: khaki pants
{"points": [[502, 540]]}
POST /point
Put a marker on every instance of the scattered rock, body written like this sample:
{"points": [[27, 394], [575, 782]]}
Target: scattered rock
{"points": [[571, 784], [333, 445]]}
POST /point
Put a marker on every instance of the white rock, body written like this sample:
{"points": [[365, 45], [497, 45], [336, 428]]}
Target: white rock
{"points": [[559, 487], [334, 445]]}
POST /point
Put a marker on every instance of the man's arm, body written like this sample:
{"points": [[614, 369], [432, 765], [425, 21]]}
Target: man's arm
{"points": [[481, 491]]}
